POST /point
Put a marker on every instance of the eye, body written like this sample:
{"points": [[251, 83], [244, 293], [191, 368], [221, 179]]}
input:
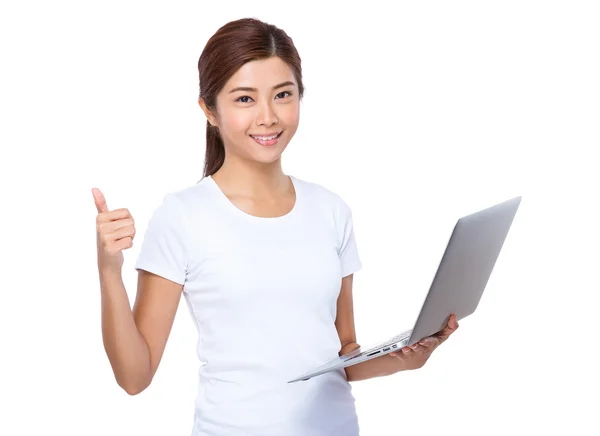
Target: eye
{"points": [[243, 96], [246, 96]]}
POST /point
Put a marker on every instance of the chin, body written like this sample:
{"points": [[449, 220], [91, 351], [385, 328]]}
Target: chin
{"points": [[268, 154], [267, 159]]}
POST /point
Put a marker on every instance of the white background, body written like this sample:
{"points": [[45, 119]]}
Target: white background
{"points": [[416, 114]]}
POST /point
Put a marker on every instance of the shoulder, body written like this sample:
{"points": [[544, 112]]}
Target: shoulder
{"points": [[175, 208], [325, 198], [319, 193], [187, 198]]}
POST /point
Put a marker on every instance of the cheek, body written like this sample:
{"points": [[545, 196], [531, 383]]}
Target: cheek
{"points": [[236, 128], [238, 123], [291, 117]]}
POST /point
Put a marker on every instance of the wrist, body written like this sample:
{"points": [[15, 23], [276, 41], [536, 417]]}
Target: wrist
{"points": [[109, 274], [348, 348]]}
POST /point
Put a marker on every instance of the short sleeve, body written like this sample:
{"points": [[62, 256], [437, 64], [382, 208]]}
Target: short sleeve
{"points": [[163, 250], [348, 251]]}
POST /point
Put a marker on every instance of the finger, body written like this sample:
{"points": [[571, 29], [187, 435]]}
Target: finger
{"points": [[113, 215], [443, 335], [99, 200], [110, 235], [429, 342], [404, 351], [125, 243], [451, 326], [124, 232], [113, 226], [417, 347]]}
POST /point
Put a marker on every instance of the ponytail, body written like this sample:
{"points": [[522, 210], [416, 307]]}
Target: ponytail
{"points": [[215, 150]]}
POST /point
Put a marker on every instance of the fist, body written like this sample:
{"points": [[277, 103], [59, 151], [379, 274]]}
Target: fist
{"points": [[115, 231]]}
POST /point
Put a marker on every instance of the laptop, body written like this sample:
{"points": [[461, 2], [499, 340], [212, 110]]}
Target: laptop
{"points": [[457, 286]]}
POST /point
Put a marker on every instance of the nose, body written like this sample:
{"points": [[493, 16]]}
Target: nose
{"points": [[266, 115]]}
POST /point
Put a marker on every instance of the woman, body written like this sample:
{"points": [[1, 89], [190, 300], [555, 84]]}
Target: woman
{"points": [[265, 261]]}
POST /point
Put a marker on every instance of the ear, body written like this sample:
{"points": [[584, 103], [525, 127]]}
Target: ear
{"points": [[207, 112]]}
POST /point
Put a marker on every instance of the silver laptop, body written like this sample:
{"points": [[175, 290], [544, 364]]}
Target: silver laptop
{"points": [[458, 284]]}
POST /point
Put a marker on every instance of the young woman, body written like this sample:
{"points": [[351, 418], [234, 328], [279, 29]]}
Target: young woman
{"points": [[265, 261]]}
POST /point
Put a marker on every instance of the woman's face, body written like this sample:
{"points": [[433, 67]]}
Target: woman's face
{"points": [[267, 105]]}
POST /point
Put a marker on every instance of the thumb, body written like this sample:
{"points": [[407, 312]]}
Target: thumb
{"points": [[99, 200]]}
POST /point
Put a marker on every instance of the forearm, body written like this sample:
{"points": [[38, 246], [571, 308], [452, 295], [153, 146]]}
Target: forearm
{"points": [[125, 347], [378, 367]]}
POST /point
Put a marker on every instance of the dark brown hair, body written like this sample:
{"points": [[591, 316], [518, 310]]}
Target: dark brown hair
{"points": [[234, 44]]}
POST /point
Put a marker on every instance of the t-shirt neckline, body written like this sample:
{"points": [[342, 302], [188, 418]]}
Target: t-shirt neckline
{"points": [[248, 216]]}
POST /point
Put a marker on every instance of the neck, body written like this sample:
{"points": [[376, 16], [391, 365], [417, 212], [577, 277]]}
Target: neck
{"points": [[252, 181]]}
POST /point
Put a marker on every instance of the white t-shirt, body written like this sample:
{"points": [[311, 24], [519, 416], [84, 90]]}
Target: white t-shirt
{"points": [[262, 293]]}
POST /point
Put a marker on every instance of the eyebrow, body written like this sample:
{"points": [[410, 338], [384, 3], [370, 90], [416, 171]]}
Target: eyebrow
{"points": [[245, 88]]}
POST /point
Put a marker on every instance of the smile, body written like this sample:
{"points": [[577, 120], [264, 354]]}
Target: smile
{"points": [[267, 140]]}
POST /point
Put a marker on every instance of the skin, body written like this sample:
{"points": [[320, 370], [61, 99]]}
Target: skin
{"points": [[253, 180], [251, 175]]}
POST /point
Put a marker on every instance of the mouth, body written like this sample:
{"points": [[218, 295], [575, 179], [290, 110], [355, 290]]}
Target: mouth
{"points": [[267, 140]]}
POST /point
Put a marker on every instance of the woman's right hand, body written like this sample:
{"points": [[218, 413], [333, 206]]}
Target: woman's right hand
{"points": [[115, 231]]}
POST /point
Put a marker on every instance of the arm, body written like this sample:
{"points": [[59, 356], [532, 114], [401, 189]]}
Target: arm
{"points": [[377, 367], [134, 340], [344, 323], [407, 358]]}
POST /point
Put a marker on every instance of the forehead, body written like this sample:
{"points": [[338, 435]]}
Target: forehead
{"points": [[261, 74]]}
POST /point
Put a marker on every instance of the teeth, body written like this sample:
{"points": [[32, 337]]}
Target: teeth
{"points": [[265, 138]]}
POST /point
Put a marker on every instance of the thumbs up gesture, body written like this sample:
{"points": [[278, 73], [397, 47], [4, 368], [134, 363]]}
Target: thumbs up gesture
{"points": [[115, 232]]}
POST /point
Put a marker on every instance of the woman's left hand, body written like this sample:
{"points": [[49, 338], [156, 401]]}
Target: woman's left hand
{"points": [[415, 355]]}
